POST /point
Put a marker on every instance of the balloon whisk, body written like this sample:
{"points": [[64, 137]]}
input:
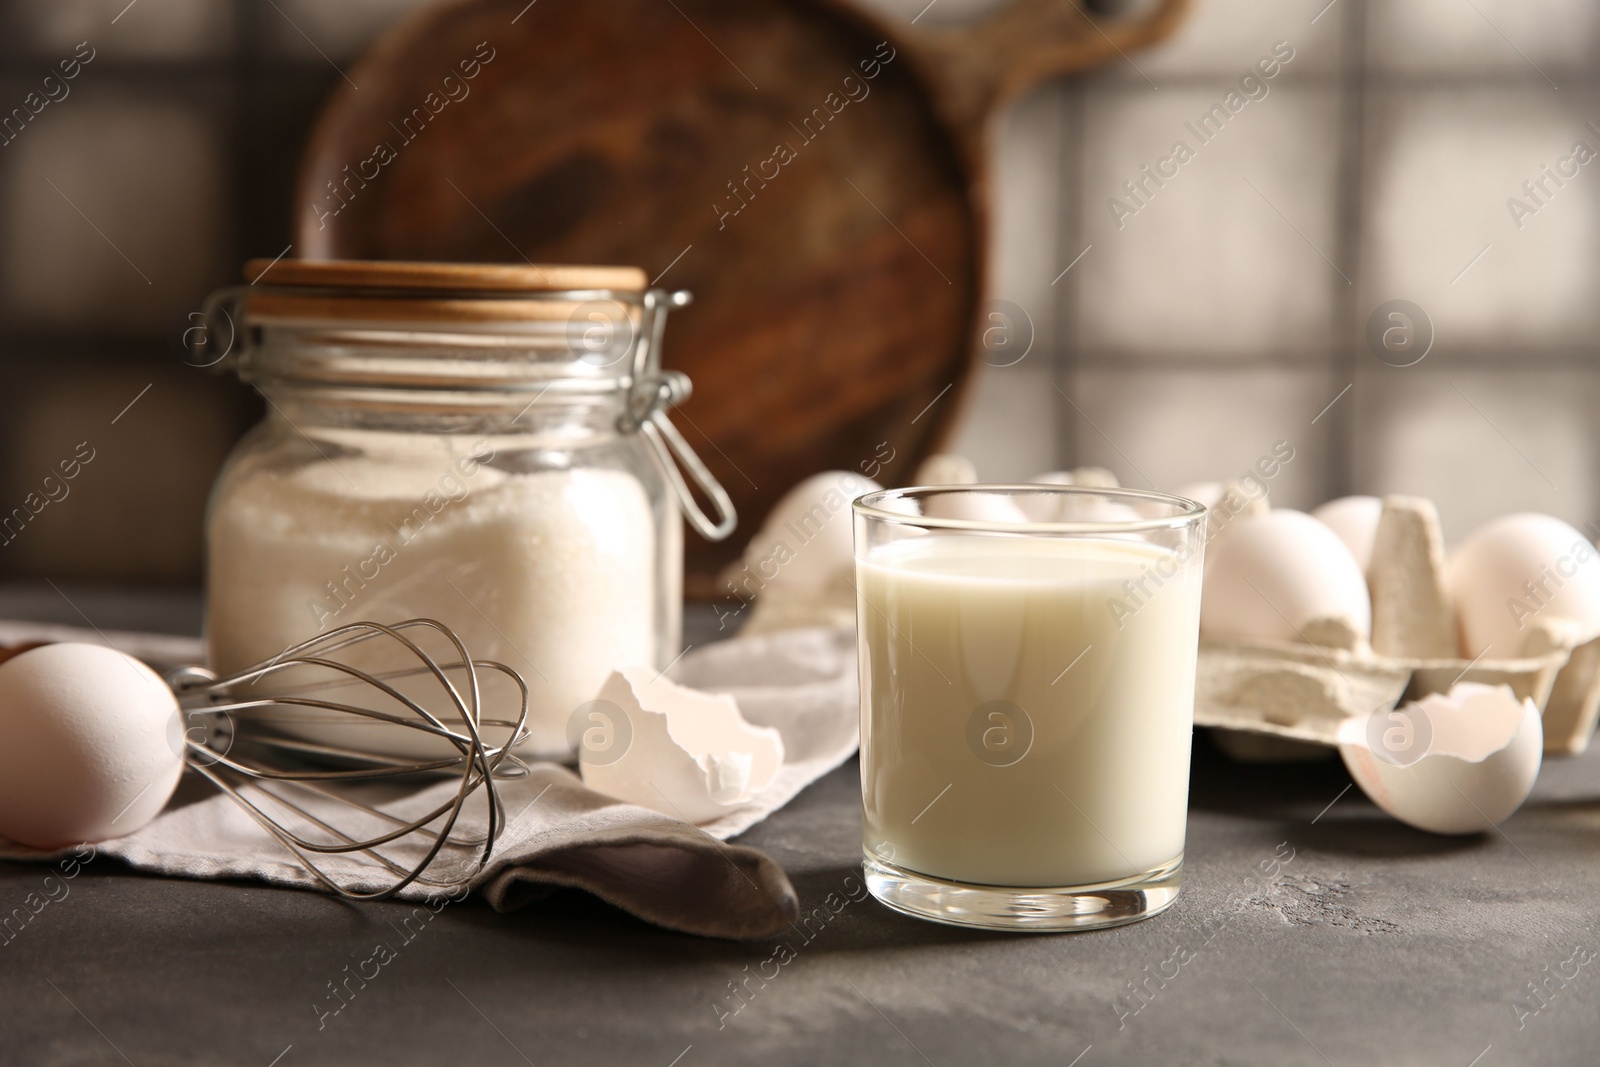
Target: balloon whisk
{"points": [[289, 798]]}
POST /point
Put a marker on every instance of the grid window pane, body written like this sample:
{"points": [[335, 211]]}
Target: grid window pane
{"points": [[1447, 168], [1233, 255]]}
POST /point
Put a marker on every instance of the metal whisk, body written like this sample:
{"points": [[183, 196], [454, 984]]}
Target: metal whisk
{"points": [[265, 689]]}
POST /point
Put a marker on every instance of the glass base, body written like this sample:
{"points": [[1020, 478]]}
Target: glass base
{"points": [[1043, 910]]}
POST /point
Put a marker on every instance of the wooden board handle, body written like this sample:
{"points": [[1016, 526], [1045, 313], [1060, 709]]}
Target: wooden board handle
{"points": [[974, 70]]}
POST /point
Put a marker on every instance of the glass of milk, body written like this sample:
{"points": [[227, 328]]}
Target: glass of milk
{"points": [[1027, 658]]}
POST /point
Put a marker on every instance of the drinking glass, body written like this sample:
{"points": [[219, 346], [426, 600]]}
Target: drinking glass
{"points": [[1027, 663]]}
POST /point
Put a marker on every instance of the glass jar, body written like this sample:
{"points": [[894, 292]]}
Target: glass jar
{"points": [[486, 446]]}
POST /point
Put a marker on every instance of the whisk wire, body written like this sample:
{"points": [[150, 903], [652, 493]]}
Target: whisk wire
{"points": [[478, 762]]}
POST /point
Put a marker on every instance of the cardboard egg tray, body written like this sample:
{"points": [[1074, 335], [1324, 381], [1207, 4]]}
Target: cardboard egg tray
{"points": [[1273, 701]]}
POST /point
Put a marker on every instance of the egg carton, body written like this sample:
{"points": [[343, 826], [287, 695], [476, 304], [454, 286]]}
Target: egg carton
{"points": [[1279, 701]]}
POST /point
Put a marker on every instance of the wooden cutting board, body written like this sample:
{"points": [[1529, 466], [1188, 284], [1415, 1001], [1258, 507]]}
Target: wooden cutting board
{"points": [[815, 176]]}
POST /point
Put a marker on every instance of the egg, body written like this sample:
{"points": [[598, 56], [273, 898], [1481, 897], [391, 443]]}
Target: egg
{"points": [[1207, 493], [1355, 520], [1076, 507], [1093, 477], [91, 745], [1276, 574], [1456, 763], [1100, 509], [1053, 478], [809, 535], [1229, 505], [975, 506], [945, 468], [1044, 507], [1514, 569]]}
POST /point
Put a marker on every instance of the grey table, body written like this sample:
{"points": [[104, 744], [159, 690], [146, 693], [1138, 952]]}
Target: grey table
{"points": [[1311, 930]]}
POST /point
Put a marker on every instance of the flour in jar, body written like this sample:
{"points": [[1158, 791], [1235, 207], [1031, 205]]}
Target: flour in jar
{"points": [[551, 572]]}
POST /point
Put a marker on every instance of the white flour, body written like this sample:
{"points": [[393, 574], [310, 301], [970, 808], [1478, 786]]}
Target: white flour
{"points": [[551, 573]]}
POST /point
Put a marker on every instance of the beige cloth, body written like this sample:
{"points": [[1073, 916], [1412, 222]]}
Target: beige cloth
{"points": [[558, 833]]}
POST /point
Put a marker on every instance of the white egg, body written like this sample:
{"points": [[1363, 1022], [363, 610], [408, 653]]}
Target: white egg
{"points": [[1518, 568], [1076, 507], [91, 745], [975, 506], [1038, 507], [1275, 573], [1207, 493], [1229, 504], [945, 468], [1099, 509], [1459, 763], [1355, 520], [1093, 477], [808, 537], [1044, 507]]}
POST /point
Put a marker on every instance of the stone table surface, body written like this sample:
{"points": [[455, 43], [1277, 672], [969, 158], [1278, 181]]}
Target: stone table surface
{"points": [[1312, 929]]}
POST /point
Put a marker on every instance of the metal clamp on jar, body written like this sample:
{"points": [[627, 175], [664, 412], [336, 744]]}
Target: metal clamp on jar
{"points": [[483, 445]]}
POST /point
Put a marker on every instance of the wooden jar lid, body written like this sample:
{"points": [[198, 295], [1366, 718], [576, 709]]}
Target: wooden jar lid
{"points": [[453, 282], [479, 277]]}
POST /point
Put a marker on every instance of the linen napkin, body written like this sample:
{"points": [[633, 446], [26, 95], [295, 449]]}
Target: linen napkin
{"points": [[556, 833]]}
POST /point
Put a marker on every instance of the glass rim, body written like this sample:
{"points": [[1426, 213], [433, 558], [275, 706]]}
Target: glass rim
{"points": [[1192, 513]]}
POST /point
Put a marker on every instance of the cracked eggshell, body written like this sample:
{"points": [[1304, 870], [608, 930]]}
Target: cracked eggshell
{"points": [[1517, 568], [1456, 763], [1355, 520], [808, 536], [690, 754], [91, 745], [1276, 574]]}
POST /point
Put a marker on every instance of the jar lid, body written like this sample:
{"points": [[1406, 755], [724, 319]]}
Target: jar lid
{"points": [[300, 290], [484, 277]]}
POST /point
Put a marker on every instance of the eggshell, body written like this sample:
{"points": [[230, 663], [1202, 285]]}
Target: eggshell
{"points": [[808, 535], [1355, 520], [1456, 763], [1514, 569], [688, 754], [1276, 574], [91, 745]]}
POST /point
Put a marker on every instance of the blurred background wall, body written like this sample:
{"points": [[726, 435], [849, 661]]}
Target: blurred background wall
{"points": [[1176, 338]]}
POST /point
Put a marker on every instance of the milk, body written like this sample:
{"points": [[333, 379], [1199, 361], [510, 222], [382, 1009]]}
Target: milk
{"points": [[1026, 706]]}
